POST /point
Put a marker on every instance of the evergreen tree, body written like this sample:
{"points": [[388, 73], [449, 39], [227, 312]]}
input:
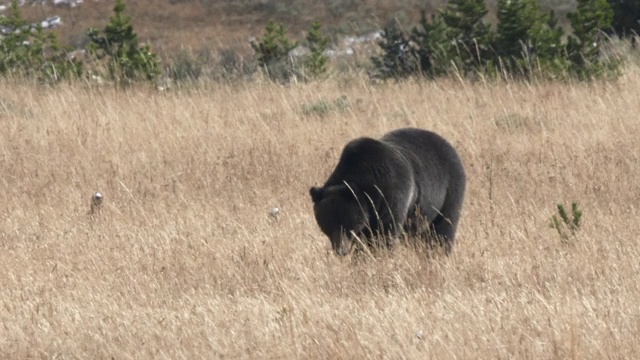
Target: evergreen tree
{"points": [[398, 59], [626, 17], [527, 39], [471, 35], [425, 51], [53, 60], [118, 44], [584, 45], [434, 47], [513, 43], [550, 57], [316, 63], [31, 51], [14, 52], [273, 52]]}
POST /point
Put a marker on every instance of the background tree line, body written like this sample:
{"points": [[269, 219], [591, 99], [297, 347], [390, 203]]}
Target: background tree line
{"points": [[525, 42]]}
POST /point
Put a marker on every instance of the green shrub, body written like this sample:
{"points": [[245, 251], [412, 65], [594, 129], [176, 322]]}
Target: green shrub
{"points": [[232, 67], [324, 107], [117, 45], [319, 108], [185, 66]]}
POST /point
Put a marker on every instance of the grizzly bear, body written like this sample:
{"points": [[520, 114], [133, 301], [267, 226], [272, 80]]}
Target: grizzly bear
{"points": [[410, 181]]}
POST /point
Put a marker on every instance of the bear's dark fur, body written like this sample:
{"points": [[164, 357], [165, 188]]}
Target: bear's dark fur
{"points": [[410, 180]]}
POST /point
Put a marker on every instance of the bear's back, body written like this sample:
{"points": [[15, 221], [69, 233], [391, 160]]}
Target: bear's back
{"points": [[427, 148], [365, 160]]}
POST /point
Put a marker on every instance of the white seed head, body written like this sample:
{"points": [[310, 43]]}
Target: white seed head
{"points": [[97, 198], [96, 202]]}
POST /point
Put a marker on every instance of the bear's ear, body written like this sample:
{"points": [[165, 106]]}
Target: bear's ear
{"points": [[317, 194], [347, 190]]}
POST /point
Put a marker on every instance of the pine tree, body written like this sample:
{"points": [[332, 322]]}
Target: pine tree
{"points": [[31, 51], [626, 17], [118, 44], [527, 39], [434, 47], [273, 52], [13, 52], [316, 63], [471, 35], [513, 43], [53, 62], [550, 55], [547, 36], [398, 59], [584, 45]]}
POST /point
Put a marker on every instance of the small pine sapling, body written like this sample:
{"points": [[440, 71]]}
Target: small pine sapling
{"points": [[272, 52], [316, 63], [126, 60], [564, 225]]}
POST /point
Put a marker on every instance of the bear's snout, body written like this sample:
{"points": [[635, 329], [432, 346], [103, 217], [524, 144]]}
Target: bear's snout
{"points": [[344, 247], [341, 244], [340, 251]]}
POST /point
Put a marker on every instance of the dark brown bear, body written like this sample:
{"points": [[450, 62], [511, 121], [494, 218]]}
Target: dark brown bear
{"points": [[410, 181]]}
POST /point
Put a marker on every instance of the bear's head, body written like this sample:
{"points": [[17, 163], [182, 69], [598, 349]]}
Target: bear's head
{"points": [[340, 215]]}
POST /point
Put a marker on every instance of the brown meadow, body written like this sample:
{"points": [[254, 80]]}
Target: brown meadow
{"points": [[183, 260]]}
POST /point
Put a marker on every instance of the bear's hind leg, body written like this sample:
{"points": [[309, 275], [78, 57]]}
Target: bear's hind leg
{"points": [[446, 222], [443, 232]]}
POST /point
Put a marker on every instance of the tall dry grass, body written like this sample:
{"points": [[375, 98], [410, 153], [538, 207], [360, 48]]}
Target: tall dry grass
{"points": [[184, 260]]}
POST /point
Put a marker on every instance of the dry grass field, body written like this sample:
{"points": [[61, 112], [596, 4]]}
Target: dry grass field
{"points": [[183, 260]]}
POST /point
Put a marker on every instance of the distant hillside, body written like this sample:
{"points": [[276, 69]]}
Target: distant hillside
{"points": [[214, 24]]}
